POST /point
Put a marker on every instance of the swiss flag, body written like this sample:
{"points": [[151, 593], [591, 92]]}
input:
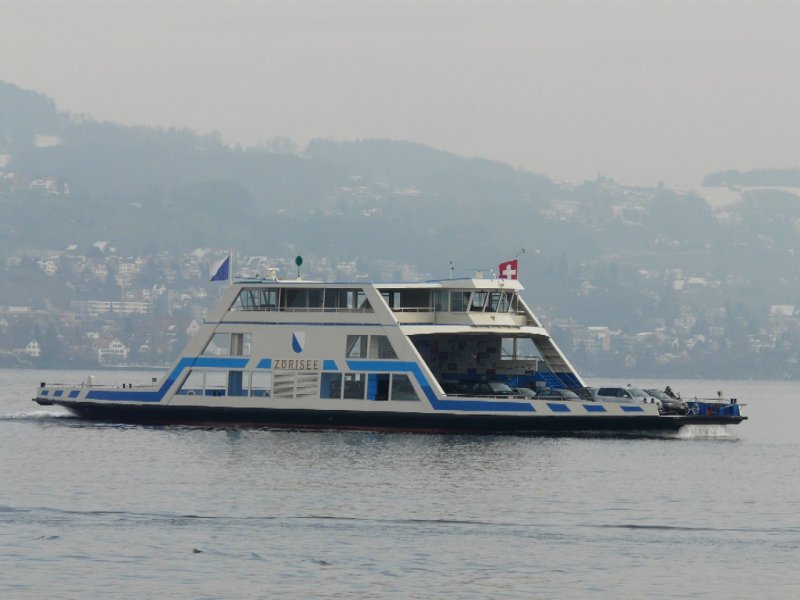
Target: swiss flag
{"points": [[508, 269]]}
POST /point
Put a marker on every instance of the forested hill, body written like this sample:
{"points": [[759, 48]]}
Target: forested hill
{"points": [[69, 179]]}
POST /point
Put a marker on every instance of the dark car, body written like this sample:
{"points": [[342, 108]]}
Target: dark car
{"points": [[560, 394], [669, 405], [477, 388], [585, 393]]}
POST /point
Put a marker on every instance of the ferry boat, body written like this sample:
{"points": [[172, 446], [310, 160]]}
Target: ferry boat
{"points": [[455, 355]]}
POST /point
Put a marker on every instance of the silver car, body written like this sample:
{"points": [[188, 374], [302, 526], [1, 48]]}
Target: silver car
{"points": [[626, 394]]}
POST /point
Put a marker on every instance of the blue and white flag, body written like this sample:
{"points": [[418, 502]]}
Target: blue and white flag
{"points": [[220, 270]]}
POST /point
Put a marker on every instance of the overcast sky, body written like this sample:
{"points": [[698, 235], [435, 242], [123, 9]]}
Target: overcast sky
{"points": [[640, 91]]}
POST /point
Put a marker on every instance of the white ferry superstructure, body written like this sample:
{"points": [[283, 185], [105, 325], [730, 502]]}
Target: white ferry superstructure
{"points": [[375, 356]]}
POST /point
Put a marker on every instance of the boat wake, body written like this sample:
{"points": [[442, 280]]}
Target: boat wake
{"points": [[694, 432], [36, 415]]}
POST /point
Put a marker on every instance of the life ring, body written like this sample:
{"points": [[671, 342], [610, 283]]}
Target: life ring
{"points": [[190, 393]]}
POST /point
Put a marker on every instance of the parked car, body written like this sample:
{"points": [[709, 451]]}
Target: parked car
{"points": [[560, 394], [477, 388], [524, 392], [670, 405], [585, 393], [626, 394]]}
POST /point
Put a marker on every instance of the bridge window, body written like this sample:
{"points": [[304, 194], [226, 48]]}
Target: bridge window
{"points": [[494, 301], [505, 302], [478, 301]]}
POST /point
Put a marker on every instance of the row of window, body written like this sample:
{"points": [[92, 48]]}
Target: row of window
{"points": [[357, 346], [355, 300], [369, 346], [494, 301], [303, 299], [369, 386], [299, 384]]}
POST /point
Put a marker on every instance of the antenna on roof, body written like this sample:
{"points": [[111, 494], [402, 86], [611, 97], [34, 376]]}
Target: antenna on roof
{"points": [[452, 268]]}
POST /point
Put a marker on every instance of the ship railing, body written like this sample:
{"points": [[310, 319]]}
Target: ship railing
{"points": [[454, 312], [83, 384], [485, 396], [304, 309]]}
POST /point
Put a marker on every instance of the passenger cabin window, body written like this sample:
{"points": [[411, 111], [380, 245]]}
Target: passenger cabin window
{"points": [[257, 299], [354, 386], [218, 345], [357, 346], [193, 384], [241, 343], [410, 300], [380, 347], [330, 385], [229, 344], [522, 348], [294, 298], [391, 298], [315, 299], [260, 384], [402, 388], [459, 301], [441, 301]]}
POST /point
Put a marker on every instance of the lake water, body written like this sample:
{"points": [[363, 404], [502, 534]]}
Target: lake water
{"points": [[96, 510]]}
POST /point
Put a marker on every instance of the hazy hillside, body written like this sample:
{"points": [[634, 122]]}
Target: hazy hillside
{"points": [[687, 287], [152, 189], [756, 178]]}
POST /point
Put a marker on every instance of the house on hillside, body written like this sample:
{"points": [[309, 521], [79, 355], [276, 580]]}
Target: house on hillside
{"points": [[111, 352], [33, 349]]}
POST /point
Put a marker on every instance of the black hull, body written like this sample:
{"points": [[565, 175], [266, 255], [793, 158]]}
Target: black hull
{"points": [[385, 421]]}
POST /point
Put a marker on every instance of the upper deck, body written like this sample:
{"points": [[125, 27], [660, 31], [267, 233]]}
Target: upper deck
{"points": [[484, 303]]}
